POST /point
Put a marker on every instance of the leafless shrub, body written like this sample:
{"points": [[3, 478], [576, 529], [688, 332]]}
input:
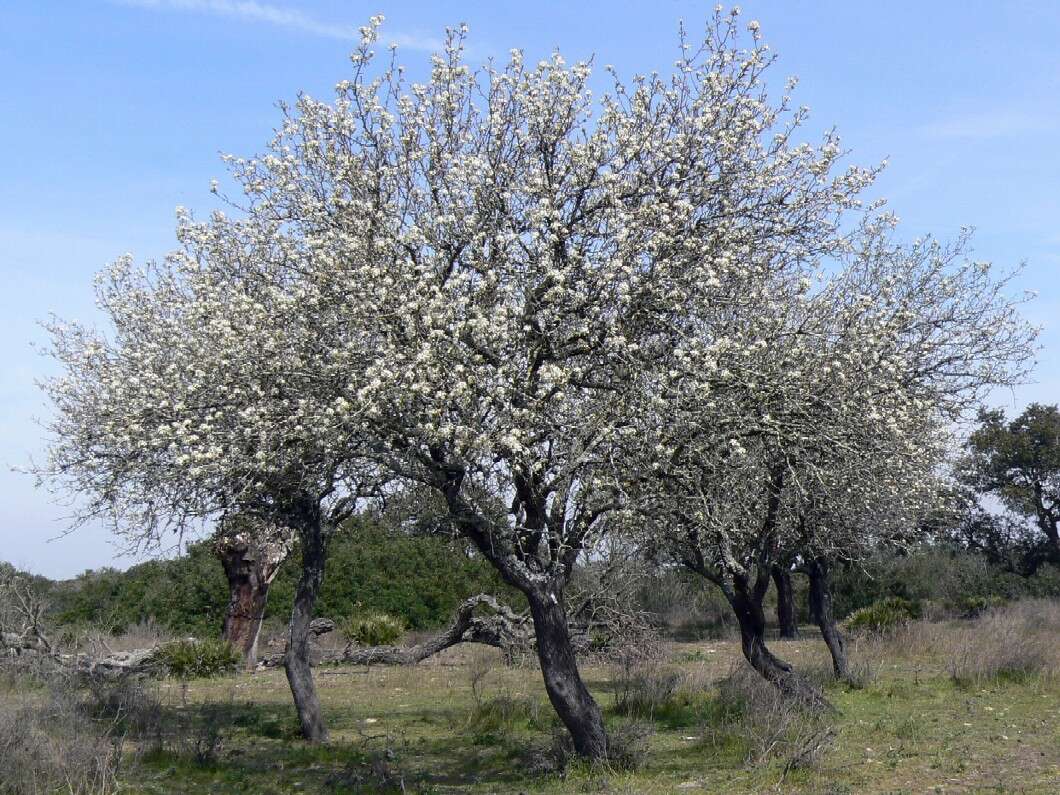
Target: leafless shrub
{"points": [[129, 708], [627, 744], [768, 723], [865, 660], [48, 743], [642, 679], [1012, 642], [478, 669], [644, 689], [378, 773]]}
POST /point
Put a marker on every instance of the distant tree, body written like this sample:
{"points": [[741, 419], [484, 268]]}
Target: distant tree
{"points": [[1018, 462]]}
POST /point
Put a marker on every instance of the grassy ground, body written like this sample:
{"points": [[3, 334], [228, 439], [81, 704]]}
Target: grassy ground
{"points": [[466, 723]]}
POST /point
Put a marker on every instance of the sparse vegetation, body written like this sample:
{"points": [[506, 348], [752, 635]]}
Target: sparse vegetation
{"points": [[884, 616], [933, 697], [371, 628], [191, 658]]}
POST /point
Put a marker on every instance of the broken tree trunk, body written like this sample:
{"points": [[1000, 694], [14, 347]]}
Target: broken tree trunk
{"points": [[500, 627], [251, 552]]}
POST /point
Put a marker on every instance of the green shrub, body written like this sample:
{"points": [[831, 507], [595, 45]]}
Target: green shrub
{"points": [[496, 719], [373, 628], [190, 658], [975, 606], [884, 615]]}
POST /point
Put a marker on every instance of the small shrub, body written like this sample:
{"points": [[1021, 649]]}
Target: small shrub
{"points": [[766, 724], [191, 659], [496, 719], [645, 691], [1011, 643], [373, 629], [55, 747], [883, 616], [129, 707], [975, 606], [627, 744]]}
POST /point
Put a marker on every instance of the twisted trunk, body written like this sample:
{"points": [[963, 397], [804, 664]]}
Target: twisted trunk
{"points": [[821, 608], [296, 660], [566, 690], [569, 696], [786, 615], [746, 603]]}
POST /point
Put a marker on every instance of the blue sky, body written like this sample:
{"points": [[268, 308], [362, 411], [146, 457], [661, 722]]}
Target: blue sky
{"points": [[114, 112]]}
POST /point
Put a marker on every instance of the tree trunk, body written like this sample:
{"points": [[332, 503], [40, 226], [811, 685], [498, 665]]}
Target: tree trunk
{"points": [[246, 604], [786, 616], [568, 694], [747, 605], [251, 552], [824, 615], [296, 659]]}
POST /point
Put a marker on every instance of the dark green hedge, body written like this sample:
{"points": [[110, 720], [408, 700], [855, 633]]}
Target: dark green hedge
{"points": [[370, 567]]}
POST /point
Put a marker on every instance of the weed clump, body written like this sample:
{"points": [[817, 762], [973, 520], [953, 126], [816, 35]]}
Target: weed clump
{"points": [[1007, 644], [883, 616], [764, 723], [373, 629], [191, 658]]}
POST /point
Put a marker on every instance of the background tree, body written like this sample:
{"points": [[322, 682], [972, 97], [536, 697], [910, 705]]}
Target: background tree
{"points": [[1018, 462], [787, 612]]}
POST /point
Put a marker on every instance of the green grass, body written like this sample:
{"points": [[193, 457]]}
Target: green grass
{"points": [[910, 731]]}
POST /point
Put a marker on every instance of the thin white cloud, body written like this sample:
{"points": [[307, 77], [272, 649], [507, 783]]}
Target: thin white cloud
{"points": [[985, 125], [292, 19]]}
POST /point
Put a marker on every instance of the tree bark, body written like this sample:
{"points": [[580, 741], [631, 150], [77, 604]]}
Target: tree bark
{"points": [[786, 615], [296, 660], [824, 614], [569, 696], [251, 552], [747, 605], [248, 594], [555, 651]]}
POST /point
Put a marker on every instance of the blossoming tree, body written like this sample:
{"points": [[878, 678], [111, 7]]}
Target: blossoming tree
{"points": [[203, 402], [490, 285], [821, 434], [520, 255]]}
